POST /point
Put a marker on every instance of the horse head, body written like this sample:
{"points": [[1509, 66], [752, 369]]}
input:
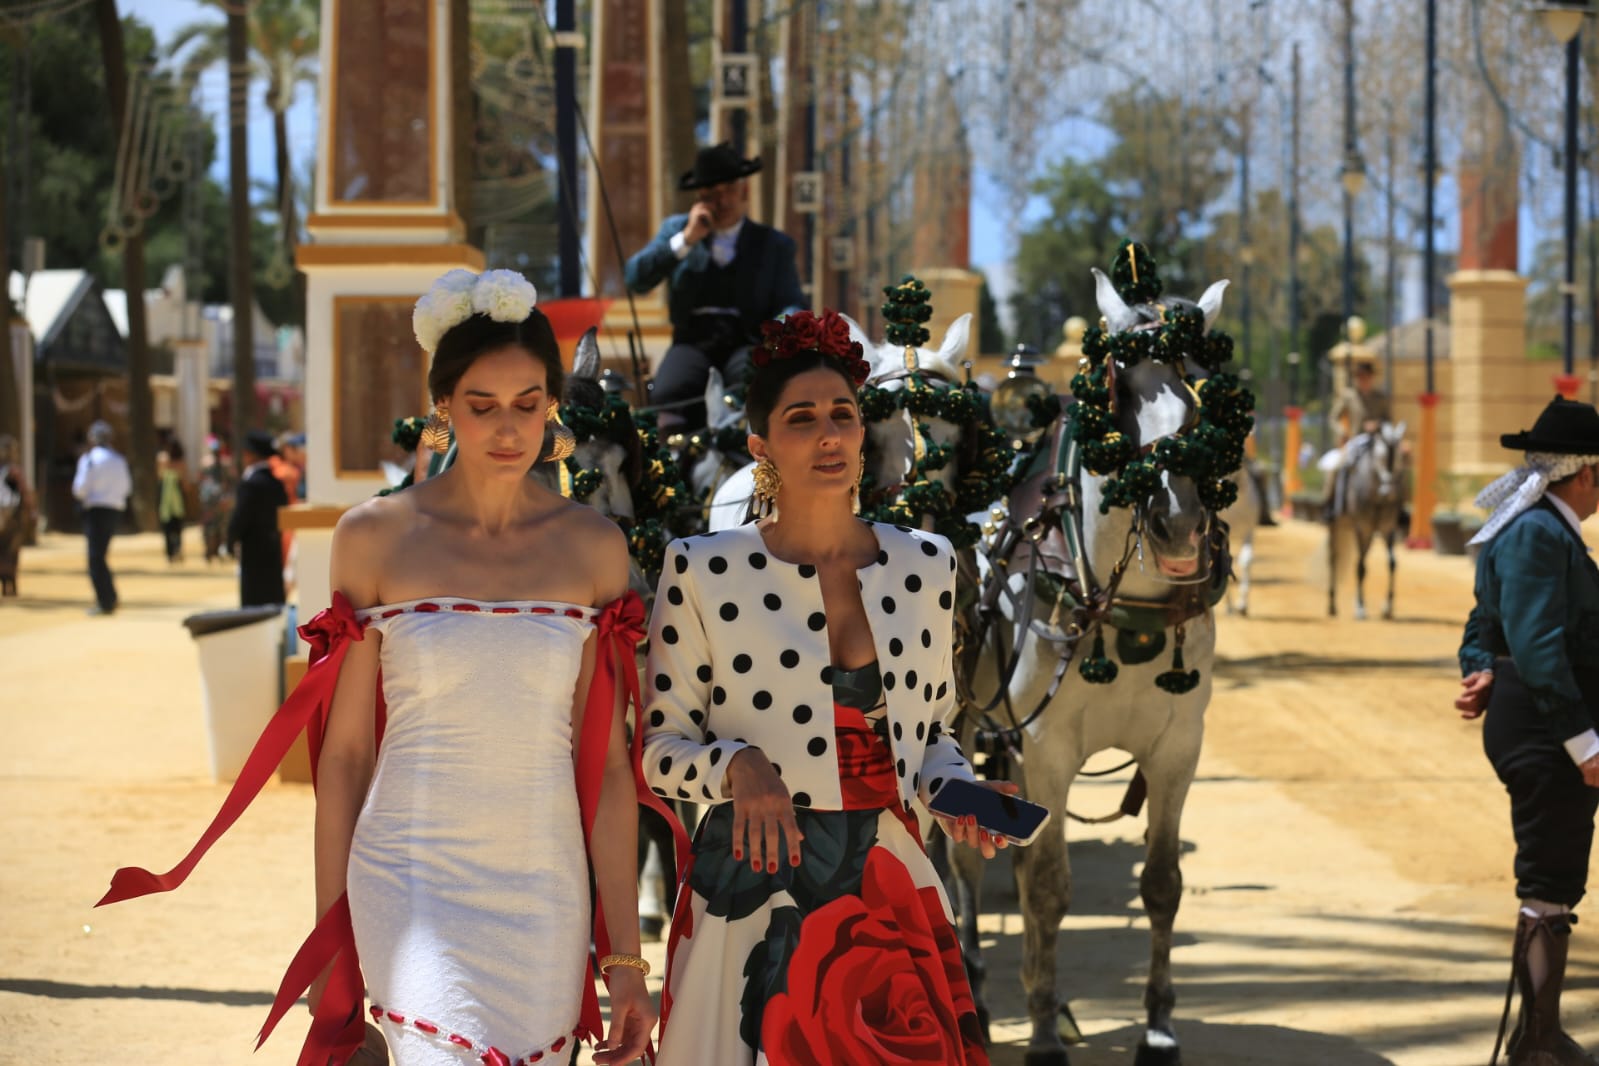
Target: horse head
{"points": [[713, 453], [1149, 496], [1386, 454], [607, 446], [898, 441]]}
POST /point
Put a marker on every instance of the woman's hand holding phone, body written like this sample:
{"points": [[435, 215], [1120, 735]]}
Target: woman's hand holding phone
{"points": [[963, 829]]}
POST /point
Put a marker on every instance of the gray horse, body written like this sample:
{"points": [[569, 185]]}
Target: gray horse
{"points": [[1152, 569], [1368, 505]]}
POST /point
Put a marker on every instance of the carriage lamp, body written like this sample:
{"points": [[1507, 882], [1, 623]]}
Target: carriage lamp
{"points": [[1009, 403], [1561, 20]]}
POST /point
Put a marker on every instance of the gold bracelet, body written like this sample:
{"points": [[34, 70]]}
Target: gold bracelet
{"points": [[638, 962]]}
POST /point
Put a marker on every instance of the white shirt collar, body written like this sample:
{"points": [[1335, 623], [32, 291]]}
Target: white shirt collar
{"points": [[731, 232], [1565, 512]]}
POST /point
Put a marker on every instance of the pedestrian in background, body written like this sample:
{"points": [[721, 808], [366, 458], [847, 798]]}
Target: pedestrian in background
{"points": [[171, 506], [216, 500], [16, 512], [101, 486], [253, 530]]}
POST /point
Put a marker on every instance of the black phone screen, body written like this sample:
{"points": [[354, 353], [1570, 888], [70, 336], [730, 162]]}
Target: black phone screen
{"points": [[996, 812]]}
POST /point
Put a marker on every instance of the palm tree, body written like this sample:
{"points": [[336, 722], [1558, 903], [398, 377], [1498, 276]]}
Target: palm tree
{"points": [[283, 36], [141, 405]]}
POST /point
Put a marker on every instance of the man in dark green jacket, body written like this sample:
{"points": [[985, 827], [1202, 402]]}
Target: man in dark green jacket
{"points": [[1530, 658]]}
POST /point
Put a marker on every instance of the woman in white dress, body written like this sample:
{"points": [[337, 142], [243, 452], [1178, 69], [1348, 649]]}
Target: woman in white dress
{"points": [[466, 708]]}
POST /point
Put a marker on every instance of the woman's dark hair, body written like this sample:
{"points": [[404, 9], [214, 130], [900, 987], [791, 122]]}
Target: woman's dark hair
{"points": [[766, 384], [463, 343]]}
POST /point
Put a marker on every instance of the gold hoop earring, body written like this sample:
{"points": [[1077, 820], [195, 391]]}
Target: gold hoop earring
{"points": [[563, 442], [855, 493], [767, 484], [436, 431]]}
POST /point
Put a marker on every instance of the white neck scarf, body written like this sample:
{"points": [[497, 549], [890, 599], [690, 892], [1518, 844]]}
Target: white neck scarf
{"points": [[1524, 486]]}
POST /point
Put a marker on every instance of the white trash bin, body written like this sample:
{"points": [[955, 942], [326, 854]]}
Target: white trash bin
{"points": [[241, 669]]}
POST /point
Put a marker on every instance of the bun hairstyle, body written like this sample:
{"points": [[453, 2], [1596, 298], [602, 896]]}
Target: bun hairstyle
{"points": [[800, 343], [464, 316]]}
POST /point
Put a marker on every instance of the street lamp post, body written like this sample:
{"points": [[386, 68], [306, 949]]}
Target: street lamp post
{"points": [[1563, 19], [1352, 175], [1427, 454]]}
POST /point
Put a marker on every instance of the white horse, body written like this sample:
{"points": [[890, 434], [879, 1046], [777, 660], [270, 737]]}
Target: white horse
{"points": [[1169, 551], [1369, 506], [891, 442]]}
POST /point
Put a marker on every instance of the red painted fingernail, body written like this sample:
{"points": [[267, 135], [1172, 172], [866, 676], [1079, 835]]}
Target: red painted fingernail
{"points": [[738, 853], [771, 867], [755, 864]]}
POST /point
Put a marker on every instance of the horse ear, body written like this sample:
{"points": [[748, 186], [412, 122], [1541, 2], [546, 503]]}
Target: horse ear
{"points": [[1210, 303], [1118, 316], [957, 338], [586, 360], [715, 398]]}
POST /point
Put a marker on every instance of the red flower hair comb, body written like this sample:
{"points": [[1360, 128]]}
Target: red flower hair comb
{"points": [[827, 335]]}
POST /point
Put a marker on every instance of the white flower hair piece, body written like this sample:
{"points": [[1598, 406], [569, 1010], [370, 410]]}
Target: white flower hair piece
{"points": [[502, 295]]}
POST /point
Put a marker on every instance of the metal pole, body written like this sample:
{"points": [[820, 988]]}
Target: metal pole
{"points": [[1244, 310], [738, 27], [1349, 201], [571, 278], [1568, 300], [1293, 238], [1427, 454], [1390, 318]]}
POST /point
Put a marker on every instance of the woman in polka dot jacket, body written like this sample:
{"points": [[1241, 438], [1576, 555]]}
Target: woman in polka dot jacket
{"points": [[800, 683]]}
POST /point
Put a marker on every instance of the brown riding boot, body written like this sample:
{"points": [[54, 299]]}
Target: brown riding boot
{"points": [[1540, 972]]}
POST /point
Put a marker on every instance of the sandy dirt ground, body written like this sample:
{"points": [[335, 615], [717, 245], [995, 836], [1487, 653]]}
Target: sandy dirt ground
{"points": [[1346, 845]]}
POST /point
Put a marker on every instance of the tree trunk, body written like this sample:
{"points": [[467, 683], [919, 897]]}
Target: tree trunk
{"points": [[141, 406], [240, 266]]}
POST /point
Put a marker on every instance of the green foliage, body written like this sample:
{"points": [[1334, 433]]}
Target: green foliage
{"points": [[990, 332], [907, 307], [72, 155]]}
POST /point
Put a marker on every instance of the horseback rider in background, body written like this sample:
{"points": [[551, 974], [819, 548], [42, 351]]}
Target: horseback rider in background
{"points": [[1359, 410]]}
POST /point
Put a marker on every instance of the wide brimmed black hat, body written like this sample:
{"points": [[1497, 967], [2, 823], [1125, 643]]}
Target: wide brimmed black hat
{"points": [[1566, 427], [715, 165], [260, 443]]}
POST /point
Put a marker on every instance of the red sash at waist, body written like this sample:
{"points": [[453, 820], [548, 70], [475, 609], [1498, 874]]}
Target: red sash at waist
{"points": [[866, 776]]}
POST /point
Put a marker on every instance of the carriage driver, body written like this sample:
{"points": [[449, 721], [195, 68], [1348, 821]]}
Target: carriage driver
{"points": [[1530, 659], [1358, 412], [725, 275]]}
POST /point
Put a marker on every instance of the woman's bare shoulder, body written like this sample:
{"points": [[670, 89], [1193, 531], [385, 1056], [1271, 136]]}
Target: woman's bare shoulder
{"points": [[601, 546], [364, 542]]}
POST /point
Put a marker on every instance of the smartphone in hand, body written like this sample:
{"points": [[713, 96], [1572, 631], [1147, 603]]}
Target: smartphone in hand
{"points": [[1015, 819]]}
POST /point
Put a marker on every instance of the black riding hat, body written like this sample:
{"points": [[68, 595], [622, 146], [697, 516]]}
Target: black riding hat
{"points": [[1566, 427], [715, 165], [260, 443]]}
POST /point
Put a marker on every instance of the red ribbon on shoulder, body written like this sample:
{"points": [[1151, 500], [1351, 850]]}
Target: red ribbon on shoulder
{"points": [[620, 627], [337, 1028]]}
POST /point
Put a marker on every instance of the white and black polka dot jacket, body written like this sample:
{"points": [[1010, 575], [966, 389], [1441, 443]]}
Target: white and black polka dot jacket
{"points": [[739, 656]]}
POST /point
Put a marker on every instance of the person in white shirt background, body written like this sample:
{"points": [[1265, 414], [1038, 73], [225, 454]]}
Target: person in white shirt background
{"points": [[101, 486]]}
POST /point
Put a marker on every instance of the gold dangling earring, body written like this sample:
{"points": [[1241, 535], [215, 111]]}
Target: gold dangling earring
{"points": [[767, 482], [855, 493], [563, 441], [436, 431]]}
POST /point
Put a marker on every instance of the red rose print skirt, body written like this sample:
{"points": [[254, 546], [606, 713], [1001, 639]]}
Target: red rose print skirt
{"points": [[849, 958]]}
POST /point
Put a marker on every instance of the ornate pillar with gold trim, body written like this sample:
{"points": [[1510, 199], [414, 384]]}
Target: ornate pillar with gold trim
{"points": [[387, 220]]}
